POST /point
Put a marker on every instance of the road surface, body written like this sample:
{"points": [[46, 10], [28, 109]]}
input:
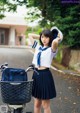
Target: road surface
{"points": [[67, 86]]}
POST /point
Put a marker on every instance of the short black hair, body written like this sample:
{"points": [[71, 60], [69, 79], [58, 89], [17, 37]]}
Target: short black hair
{"points": [[48, 34]]}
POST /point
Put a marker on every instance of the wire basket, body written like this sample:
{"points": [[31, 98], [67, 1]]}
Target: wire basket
{"points": [[16, 93]]}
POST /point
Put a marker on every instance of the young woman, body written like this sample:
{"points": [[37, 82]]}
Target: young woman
{"points": [[43, 85]]}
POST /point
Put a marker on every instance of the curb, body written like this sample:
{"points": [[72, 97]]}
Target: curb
{"points": [[17, 47]]}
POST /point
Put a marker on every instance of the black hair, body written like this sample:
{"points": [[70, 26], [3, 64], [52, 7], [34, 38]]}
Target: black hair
{"points": [[48, 34]]}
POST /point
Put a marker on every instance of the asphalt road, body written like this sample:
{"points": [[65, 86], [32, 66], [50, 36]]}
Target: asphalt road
{"points": [[67, 86]]}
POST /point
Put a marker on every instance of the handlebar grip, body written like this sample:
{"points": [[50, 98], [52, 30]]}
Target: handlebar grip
{"points": [[31, 67], [6, 64], [3, 66]]}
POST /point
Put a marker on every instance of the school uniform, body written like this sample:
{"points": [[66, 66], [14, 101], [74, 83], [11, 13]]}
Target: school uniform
{"points": [[43, 84]]}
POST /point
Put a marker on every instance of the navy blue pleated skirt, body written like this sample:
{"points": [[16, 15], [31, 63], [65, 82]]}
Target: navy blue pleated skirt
{"points": [[43, 85]]}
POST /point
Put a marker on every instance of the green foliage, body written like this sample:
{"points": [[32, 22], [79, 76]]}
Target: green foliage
{"points": [[2, 16], [53, 13], [59, 56], [33, 14], [10, 5], [65, 16], [48, 8], [36, 30], [70, 25]]}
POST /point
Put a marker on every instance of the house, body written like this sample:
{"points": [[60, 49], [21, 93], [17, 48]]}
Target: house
{"points": [[12, 31]]}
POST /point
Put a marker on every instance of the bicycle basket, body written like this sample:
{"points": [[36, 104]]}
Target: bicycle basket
{"points": [[16, 93], [15, 88]]}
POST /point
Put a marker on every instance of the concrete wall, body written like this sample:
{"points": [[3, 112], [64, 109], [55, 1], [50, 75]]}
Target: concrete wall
{"points": [[75, 59], [71, 58]]}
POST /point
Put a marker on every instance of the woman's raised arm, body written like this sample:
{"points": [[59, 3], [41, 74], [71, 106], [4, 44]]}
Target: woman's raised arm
{"points": [[32, 37], [54, 45], [57, 40]]}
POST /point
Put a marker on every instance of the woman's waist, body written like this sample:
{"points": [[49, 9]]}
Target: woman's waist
{"points": [[41, 68]]}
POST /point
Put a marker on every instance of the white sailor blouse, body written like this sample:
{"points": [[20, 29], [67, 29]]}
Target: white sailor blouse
{"points": [[43, 56]]}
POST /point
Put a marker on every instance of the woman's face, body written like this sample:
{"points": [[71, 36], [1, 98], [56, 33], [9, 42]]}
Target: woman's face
{"points": [[45, 40]]}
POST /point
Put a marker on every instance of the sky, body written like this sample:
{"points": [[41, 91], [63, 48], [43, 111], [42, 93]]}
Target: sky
{"points": [[21, 11]]}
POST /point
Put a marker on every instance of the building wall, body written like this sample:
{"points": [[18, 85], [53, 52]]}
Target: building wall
{"points": [[12, 37], [6, 35]]}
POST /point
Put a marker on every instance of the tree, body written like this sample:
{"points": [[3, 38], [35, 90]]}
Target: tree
{"points": [[70, 25], [33, 14], [65, 16], [49, 9], [9, 5]]}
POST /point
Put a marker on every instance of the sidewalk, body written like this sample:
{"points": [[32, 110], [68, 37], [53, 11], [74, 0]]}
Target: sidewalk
{"points": [[14, 46], [65, 72]]}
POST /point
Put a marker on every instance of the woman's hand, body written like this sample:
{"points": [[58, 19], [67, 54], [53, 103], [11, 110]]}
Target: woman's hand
{"points": [[60, 36]]}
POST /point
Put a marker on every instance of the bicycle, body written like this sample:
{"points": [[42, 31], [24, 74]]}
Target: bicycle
{"points": [[16, 92]]}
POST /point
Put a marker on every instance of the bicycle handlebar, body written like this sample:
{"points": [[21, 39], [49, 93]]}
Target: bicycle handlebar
{"points": [[30, 68], [3, 66]]}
